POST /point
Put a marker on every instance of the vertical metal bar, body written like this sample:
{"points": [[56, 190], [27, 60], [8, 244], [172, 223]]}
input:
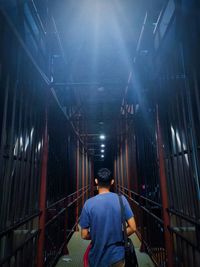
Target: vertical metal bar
{"points": [[83, 173], [43, 188], [188, 208], [65, 249], [163, 187], [135, 171], [191, 182], [33, 185], [114, 174], [118, 168], [121, 163], [77, 180], [86, 172], [92, 177], [24, 177], [191, 123], [11, 166], [127, 165], [2, 145], [170, 166], [89, 177]]}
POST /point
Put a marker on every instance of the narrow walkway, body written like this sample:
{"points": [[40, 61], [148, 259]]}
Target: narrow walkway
{"points": [[77, 247]]}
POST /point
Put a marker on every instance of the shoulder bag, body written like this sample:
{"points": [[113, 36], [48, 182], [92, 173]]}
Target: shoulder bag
{"points": [[130, 255]]}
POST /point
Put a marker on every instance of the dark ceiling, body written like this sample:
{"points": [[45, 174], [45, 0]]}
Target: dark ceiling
{"points": [[99, 40]]}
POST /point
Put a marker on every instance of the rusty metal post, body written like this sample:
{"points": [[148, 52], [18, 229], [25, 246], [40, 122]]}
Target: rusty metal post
{"points": [[163, 187], [121, 164], [77, 181], [127, 165], [83, 174], [92, 177], [85, 180], [118, 170], [115, 173], [127, 154], [42, 204]]}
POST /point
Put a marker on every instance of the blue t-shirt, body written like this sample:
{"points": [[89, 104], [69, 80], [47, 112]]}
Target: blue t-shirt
{"points": [[102, 215]]}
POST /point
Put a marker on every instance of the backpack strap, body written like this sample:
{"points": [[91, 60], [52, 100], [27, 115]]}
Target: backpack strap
{"points": [[125, 237]]}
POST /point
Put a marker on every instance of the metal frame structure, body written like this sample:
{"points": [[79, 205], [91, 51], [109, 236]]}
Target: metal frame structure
{"points": [[38, 148], [163, 140], [45, 169]]}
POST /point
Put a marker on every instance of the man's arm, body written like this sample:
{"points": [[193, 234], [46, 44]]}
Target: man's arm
{"points": [[131, 228], [85, 234], [85, 223]]}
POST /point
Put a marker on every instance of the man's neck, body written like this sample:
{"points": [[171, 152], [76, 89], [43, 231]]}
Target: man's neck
{"points": [[103, 190]]}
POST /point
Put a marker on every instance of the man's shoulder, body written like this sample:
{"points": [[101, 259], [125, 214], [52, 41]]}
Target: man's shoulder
{"points": [[96, 198], [89, 201]]}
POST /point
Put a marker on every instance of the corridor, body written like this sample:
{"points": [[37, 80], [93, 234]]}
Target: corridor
{"points": [[75, 256], [90, 84]]}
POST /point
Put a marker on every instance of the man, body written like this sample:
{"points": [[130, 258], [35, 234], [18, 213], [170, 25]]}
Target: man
{"points": [[100, 221]]}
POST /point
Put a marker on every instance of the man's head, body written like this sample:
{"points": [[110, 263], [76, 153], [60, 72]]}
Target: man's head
{"points": [[104, 178]]}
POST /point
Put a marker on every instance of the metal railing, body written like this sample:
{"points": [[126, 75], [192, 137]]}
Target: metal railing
{"points": [[149, 224], [184, 231], [60, 225]]}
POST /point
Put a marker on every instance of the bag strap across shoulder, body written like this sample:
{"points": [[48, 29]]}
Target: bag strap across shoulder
{"points": [[123, 220]]}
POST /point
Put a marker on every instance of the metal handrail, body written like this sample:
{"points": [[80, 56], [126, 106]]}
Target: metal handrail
{"points": [[183, 216], [172, 230], [18, 224], [64, 198], [68, 205], [19, 247], [141, 206]]}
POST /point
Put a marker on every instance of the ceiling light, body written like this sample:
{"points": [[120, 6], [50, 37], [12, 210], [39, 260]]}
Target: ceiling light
{"points": [[102, 150], [102, 145], [102, 156], [102, 137]]}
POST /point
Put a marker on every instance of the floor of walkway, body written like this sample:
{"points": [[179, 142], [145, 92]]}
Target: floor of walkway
{"points": [[77, 247]]}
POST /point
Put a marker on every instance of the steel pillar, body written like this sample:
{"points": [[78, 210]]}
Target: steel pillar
{"points": [[77, 181], [127, 166], [42, 204], [92, 177], [164, 195]]}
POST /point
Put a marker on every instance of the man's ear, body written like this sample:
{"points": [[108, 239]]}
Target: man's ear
{"points": [[96, 181], [112, 181]]}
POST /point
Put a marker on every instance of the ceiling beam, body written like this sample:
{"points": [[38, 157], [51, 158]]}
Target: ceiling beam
{"points": [[90, 84]]}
